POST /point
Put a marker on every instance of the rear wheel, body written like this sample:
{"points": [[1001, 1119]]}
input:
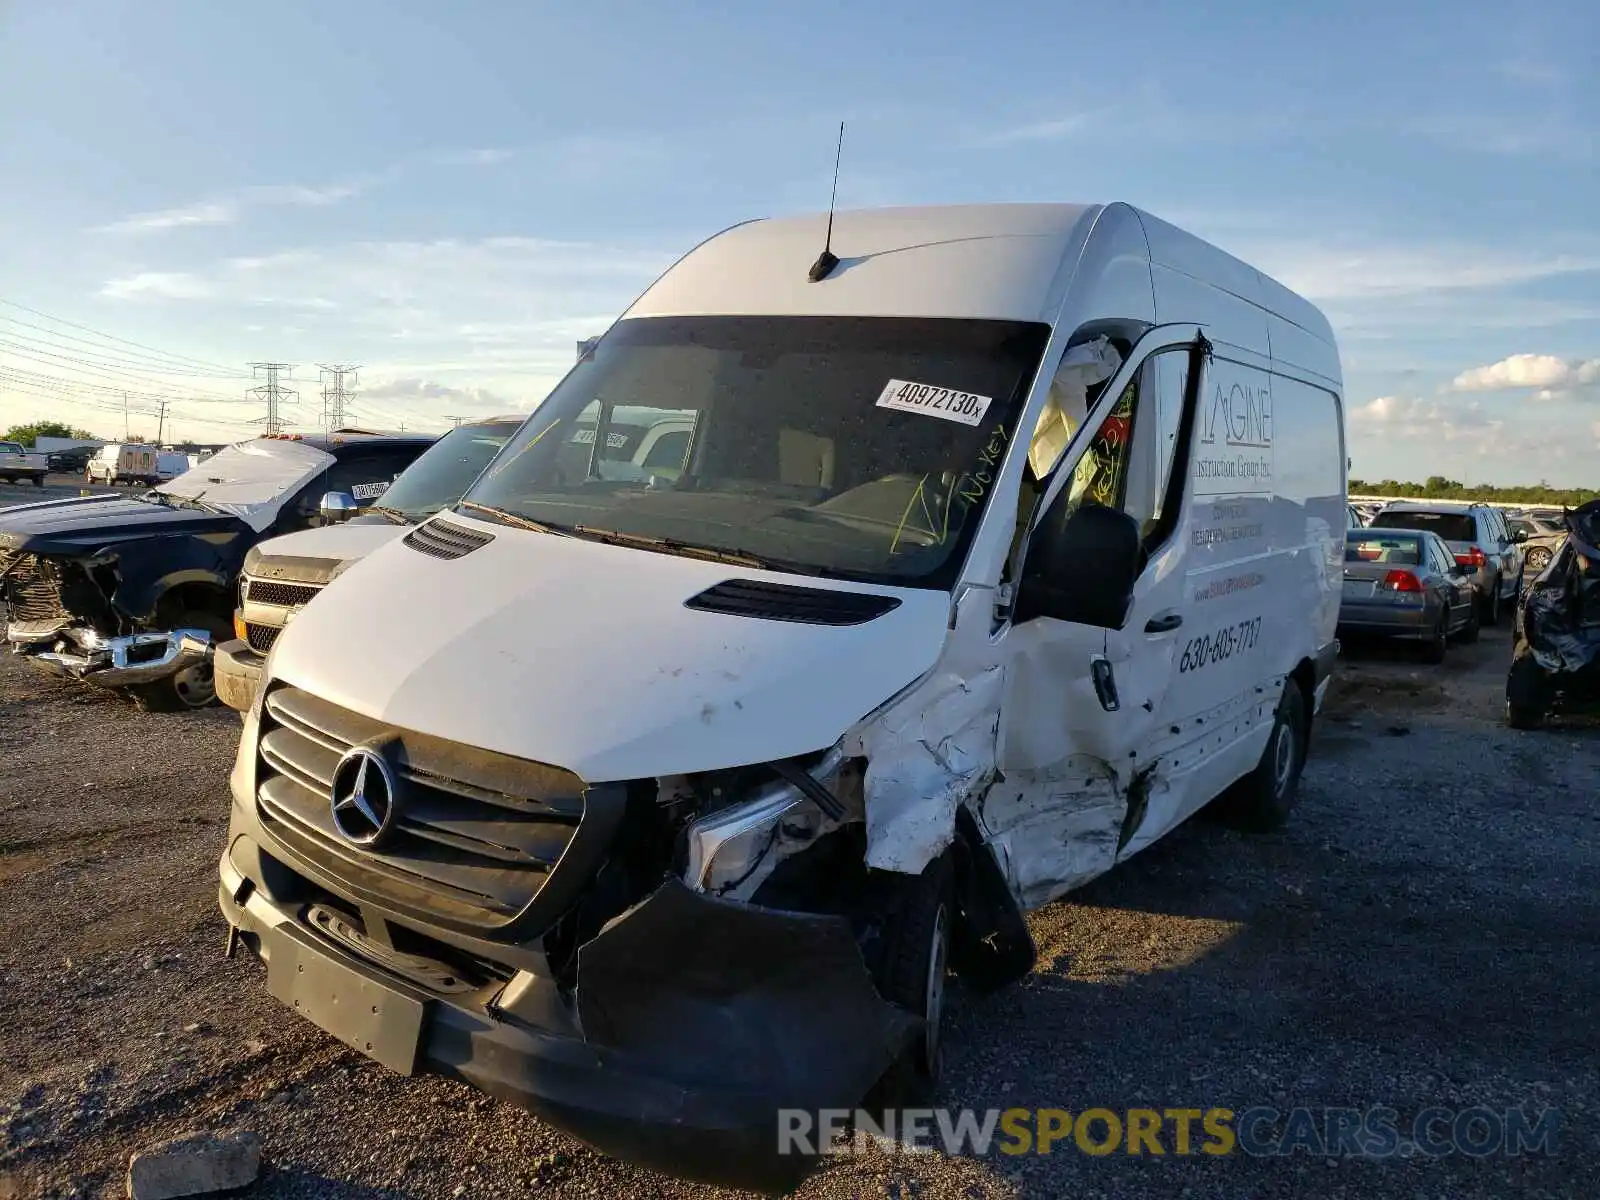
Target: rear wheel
{"points": [[1434, 649], [1491, 604], [1539, 558], [193, 687], [1469, 631], [1263, 799]]}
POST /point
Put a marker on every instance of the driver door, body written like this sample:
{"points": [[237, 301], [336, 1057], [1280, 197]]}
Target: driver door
{"points": [[1084, 704]]}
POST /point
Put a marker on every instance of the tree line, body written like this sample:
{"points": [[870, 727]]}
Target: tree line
{"points": [[1437, 487]]}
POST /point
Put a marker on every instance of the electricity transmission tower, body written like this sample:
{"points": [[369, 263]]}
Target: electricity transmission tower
{"points": [[334, 393], [455, 421], [273, 392]]}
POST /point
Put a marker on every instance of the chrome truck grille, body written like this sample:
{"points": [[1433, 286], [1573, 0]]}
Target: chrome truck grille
{"points": [[283, 595], [483, 842], [261, 637], [31, 588]]}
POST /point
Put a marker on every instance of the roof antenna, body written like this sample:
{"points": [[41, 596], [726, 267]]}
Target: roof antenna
{"points": [[828, 260]]}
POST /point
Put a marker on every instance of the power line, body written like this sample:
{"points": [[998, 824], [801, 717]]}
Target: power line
{"points": [[334, 394], [272, 392], [226, 371]]}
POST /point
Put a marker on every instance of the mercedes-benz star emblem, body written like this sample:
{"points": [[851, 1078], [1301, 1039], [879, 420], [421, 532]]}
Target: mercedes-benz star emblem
{"points": [[365, 797]]}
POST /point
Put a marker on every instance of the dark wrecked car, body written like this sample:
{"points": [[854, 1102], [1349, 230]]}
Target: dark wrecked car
{"points": [[1556, 664], [131, 592]]}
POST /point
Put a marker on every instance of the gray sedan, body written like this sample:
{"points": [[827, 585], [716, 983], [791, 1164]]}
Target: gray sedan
{"points": [[1406, 583]]}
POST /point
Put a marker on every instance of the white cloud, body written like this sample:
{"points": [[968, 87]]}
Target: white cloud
{"points": [[1411, 416], [161, 285], [229, 209], [1545, 374], [204, 212], [487, 156], [1427, 436], [1326, 271], [1052, 129], [451, 326]]}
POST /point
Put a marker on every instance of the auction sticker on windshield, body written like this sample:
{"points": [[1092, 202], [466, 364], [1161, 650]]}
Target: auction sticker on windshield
{"points": [[948, 403]]}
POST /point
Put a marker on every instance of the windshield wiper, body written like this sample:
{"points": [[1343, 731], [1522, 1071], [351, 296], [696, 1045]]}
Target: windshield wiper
{"points": [[666, 545], [394, 514], [517, 519]]}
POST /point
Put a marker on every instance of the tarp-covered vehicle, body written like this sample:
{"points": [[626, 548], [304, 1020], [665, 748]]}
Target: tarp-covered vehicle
{"points": [[1556, 664]]}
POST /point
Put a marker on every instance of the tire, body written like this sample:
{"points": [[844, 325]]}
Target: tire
{"points": [[191, 689], [1527, 695], [1262, 800], [1491, 605], [1539, 558], [1435, 648], [911, 969], [1469, 631], [38, 481]]}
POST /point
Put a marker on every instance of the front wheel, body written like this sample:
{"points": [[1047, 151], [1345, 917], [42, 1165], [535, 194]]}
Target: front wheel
{"points": [[1527, 694], [1538, 558], [911, 968], [193, 687], [1263, 799]]}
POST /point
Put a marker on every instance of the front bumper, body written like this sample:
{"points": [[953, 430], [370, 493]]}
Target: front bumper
{"points": [[236, 671], [112, 662], [695, 1020]]}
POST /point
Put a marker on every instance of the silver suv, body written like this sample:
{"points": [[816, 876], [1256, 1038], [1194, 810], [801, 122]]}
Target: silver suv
{"points": [[1477, 535]]}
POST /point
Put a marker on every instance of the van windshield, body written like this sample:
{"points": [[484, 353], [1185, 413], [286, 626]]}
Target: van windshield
{"points": [[857, 448]]}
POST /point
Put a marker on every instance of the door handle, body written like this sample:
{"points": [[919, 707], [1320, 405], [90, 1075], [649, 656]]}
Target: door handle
{"points": [[1163, 622]]}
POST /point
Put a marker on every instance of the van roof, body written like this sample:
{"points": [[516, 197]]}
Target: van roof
{"points": [[996, 261]]}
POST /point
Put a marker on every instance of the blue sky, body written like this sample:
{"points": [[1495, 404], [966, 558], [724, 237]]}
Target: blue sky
{"points": [[452, 194]]}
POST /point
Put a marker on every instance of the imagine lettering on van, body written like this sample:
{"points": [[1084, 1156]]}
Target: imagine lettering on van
{"points": [[1237, 426]]}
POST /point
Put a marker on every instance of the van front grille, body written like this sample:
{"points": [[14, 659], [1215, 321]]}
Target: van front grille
{"points": [[482, 841]]}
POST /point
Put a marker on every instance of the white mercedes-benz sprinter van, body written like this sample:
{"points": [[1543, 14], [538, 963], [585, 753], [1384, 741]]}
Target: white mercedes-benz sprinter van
{"points": [[657, 800]]}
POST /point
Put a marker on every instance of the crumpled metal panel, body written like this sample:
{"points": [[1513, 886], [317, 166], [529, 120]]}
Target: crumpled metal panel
{"points": [[1561, 617]]}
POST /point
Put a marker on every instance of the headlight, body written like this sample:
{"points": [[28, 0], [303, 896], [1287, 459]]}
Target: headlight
{"points": [[727, 846]]}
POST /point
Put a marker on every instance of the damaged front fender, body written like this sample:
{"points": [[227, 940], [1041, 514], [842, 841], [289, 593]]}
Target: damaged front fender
{"points": [[925, 757]]}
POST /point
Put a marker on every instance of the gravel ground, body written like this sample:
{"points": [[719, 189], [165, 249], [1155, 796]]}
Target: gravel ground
{"points": [[1426, 932]]}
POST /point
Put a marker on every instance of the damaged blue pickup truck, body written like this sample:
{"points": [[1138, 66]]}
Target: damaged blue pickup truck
{"points": [[132, 592]]}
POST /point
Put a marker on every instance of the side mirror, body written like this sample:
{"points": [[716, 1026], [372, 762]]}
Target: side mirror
{"points": [[1519, 536], [338, 506], [1082, 567]]}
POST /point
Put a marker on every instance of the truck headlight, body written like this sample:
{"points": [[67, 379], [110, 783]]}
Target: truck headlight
{"points": [[726, 846]]}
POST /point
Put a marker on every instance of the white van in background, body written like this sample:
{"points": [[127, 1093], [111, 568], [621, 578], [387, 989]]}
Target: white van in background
{"points": [[991, 550], [125, 462]]}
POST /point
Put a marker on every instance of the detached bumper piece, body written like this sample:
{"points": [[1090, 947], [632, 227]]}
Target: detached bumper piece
{"points": [[112, 662], [695, 1020], [236, 672]]}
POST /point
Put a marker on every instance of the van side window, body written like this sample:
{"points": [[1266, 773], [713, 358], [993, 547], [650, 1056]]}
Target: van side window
{"points": [[1129, 462]]}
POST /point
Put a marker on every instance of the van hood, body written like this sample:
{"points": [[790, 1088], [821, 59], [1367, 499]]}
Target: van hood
{"points": [[80, 524], [319, 555], [583, 655]]}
